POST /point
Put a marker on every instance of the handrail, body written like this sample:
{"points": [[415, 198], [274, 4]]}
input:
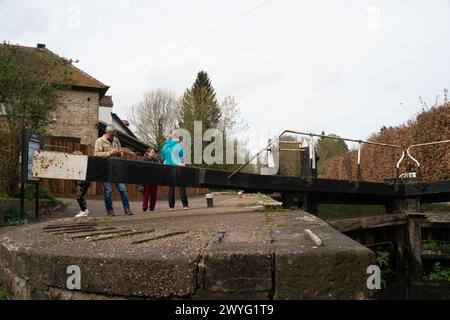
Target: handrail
{"points": [[271, 141], [421, 145], [345, 139], [401, 159], [397, 167], [312, 151]]}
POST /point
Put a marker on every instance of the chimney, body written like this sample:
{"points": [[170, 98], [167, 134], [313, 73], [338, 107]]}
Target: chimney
{"points": [[40, 46]]}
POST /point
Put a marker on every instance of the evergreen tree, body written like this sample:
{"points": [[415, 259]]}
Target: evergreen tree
{"points": [[199, 103]]}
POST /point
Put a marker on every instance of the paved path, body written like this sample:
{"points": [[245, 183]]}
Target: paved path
{"points": [[97, 207]]}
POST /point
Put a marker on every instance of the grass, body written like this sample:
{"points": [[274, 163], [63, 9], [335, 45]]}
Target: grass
{"points": [[44, 193], [439, 272], [383, 258], [215, 238], [436, 208], [12, 214], [2, 291], [245, 205], [435, 246], [12, 217], [273, 209], [270, 224], [3, 194]]}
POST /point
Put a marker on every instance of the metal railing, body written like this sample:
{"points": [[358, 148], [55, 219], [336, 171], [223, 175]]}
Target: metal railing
{"points": [[312, 152], [408, 152]]}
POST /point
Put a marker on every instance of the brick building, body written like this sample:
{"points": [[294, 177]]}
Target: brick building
{"points": [[82, 112], [83, 109]]}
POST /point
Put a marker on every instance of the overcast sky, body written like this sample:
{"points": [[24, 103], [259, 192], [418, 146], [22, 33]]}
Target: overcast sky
{"points": [[347, 67]]}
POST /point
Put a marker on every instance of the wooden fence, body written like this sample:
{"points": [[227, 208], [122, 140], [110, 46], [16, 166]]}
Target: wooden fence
{"points": [[66, 188]]}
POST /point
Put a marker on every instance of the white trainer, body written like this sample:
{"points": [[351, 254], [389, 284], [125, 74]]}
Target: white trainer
{"points": [[82, 214], [186, 208]]}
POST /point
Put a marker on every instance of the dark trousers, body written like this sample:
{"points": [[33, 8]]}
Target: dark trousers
{"points": [[183, 197], [150, 192], [81, 189]]}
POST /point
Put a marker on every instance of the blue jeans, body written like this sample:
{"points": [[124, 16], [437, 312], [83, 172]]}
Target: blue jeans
{"points": [[107, 191]]}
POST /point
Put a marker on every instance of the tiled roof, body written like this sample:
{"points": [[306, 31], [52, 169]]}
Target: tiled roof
{"points": [[79, 78]]}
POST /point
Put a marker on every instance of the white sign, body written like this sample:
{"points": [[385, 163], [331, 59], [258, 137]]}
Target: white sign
{"points": [[57, 165]]}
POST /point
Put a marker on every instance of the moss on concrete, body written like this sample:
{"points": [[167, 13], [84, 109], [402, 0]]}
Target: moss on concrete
{"points": [[2, 291]]}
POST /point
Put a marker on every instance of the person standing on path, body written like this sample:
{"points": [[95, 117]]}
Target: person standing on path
{"points": [[109, 146], [172, 154], [150, 190], [81, 188]]}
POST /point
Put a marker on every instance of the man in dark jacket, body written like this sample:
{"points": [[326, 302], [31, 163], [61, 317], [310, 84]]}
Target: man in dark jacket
{"points": [[150, 190]]}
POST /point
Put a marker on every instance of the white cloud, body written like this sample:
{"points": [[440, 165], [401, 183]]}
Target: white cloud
{"points": [[338, 66]]}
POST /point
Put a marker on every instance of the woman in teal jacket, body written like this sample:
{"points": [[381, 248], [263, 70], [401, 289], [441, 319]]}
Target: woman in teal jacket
{"points": [[172, 154]]}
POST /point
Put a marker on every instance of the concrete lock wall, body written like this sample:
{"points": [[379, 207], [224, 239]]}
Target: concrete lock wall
{"points": [[276, 260]]}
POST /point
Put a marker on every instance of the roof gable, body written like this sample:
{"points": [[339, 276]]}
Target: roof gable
{"points": [[79, 78]]}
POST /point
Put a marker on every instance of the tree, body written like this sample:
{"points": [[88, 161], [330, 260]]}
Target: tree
{"points": [[199, 103], [328, 148], [155, 117], [230, 122], [29, 80], [289, 137]]}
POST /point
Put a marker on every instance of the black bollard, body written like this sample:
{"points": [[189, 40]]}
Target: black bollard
{"points": [[210, 200]]}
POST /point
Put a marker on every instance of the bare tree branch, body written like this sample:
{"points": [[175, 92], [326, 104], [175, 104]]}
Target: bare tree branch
{"points": [[231, 122], [155, 116]]}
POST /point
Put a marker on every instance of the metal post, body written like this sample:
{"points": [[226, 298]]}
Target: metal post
{"points": [[358, 169], [23, 173], [36, 201], [210, 200], [22, 198], [312, 163]]}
